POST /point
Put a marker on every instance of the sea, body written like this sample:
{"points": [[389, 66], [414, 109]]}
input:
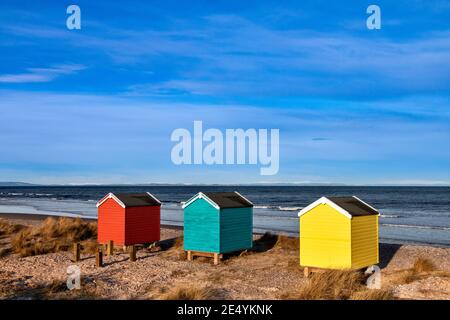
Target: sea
{"points": [[416, 215]]}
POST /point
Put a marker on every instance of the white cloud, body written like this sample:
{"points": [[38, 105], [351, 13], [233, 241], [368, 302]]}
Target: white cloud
{"points": [[34, 75], [229, 54]]}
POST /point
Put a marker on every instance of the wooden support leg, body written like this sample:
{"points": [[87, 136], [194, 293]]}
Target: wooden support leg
{"points": [[76, 252], [110, 248], [216, 258], [99, 258], [133, 253], [189, 255], [306, 272]]}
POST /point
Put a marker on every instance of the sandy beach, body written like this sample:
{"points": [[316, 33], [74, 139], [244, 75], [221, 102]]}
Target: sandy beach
{"points": [[269, 271]]}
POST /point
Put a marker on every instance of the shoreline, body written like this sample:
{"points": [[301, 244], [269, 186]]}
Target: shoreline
{"points": [[23, 217], [30, 218]]}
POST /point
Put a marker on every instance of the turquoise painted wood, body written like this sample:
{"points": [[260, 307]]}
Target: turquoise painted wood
{"points": [[201, 227], [236, 229], [207, 229]]}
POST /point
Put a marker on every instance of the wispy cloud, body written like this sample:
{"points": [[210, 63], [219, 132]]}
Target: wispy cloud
{"points": [[33, 75], [232, 55]]}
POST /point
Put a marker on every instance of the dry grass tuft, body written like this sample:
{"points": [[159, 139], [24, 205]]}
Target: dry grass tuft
{"points": [[288, 243], [56, 290], [89, 246], [4, 252], [216, 277], [188, 293], [337, 285], [7, 228], [421, 268], [53, 235], [423, 265], [331, 285], [404, 277], [175, 249], [374, 294], [178, 244]]}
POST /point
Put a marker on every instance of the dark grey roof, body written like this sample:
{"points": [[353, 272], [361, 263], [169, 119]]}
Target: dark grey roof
{"points": [[228, 200], [137, 199], [353, 206]]}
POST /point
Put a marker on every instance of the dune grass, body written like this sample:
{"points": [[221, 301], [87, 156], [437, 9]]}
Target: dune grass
{"points": [[175, 249], [7, 228], [54, 290], [288, 243], [421, 268], [192, 292], [336, 285], [423, 265], [54, 235], [374, 294]]}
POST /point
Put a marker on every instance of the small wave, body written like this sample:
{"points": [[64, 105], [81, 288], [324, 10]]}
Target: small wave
{"points": [[289, 208], [414, 227], [38, 194], [389, 216], [15, 194], [261, 207]]}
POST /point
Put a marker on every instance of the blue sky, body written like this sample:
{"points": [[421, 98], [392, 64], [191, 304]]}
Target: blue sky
{"points": [[98, 105]]}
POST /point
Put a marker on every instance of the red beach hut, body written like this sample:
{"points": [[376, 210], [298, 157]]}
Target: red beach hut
{"points": [[129, 219]]}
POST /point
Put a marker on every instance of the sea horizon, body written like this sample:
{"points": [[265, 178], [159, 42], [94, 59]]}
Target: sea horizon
{"points": [[408, 214]]}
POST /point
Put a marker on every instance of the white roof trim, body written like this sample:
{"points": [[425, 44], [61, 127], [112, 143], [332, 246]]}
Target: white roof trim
{"points": [[366, 204], [110, 196], [152, 196], [240, 195], [201, 195], [325, 200]]}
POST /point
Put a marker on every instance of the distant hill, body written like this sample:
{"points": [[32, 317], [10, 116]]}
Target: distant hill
{"points": [[15, 184]]}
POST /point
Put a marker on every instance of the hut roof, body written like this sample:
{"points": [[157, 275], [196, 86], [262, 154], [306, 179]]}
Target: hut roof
{"points": [[349, 206], [127, 200], [222, 200]]}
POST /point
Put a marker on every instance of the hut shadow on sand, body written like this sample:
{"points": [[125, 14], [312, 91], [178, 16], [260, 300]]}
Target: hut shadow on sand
{"points": [[387, 252], [172, 243], [268, 241], [263, 243]]}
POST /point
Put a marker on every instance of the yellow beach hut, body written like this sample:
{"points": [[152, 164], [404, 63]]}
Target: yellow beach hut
{"points": [[338, 233]]}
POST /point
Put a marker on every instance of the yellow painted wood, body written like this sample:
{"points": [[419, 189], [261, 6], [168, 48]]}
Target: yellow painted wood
{"points": [[329, 239], [325, 238], [364, 241]]}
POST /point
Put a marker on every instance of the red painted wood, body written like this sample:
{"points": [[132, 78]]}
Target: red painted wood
{"points": [[128, 226], [142, 224], [111, 222]]}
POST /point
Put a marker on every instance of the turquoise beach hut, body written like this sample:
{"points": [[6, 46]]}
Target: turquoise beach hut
{"points": [[216, 223]]}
